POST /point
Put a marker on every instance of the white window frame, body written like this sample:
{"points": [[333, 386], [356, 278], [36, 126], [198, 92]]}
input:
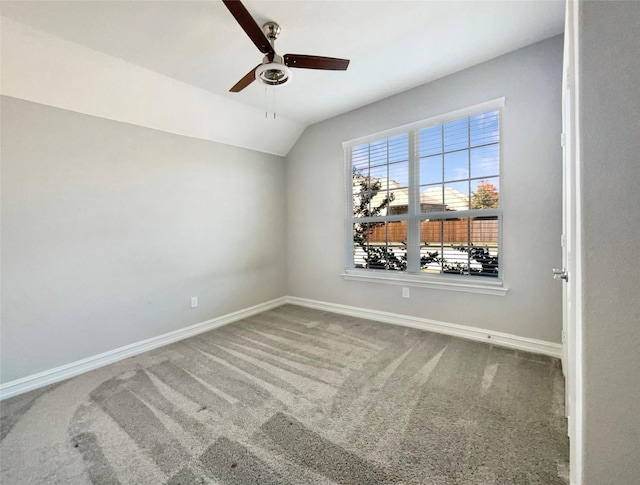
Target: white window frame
{"points": [[493, 286]]}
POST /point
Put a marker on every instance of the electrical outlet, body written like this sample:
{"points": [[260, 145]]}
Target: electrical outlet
{"points": [[194, 301], [405, 292]]}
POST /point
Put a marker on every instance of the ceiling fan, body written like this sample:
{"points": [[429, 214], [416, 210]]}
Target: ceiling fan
{"points": [[274, 69]]}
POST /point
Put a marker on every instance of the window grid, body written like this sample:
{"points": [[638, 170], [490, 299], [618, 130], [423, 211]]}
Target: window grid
{"points": [[394, 238]]}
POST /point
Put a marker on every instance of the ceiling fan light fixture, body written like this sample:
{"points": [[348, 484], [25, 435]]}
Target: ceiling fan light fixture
{"points": [[273, 74]]}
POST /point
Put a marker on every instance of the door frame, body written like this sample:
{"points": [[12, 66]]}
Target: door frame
{"points": [[571, 244]]}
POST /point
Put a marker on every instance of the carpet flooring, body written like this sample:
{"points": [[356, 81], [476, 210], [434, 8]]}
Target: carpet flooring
{"points": [[297, 396]]}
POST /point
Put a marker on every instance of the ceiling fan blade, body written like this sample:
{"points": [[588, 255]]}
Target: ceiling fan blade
{"points": [[316, 62], [250, 26], [245, 81]]}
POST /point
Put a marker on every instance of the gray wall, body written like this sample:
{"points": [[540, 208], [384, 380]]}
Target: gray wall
{"points": [[530, 79], [609, 63], [108, 229]]}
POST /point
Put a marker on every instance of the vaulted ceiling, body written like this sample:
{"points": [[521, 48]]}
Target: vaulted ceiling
{"points": [[393, 45]]}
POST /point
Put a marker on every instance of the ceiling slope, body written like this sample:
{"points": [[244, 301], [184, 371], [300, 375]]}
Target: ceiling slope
{"points": [[393, 45], [45, 69]]}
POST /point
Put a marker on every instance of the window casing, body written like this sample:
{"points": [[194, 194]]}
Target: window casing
{"points": [[423, 201]]}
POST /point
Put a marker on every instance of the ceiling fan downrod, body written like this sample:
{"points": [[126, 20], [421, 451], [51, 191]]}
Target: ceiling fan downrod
{"points": [[272, 71]]}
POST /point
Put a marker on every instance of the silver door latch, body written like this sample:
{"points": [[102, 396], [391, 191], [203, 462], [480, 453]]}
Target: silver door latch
{"points": [[560, 274]]}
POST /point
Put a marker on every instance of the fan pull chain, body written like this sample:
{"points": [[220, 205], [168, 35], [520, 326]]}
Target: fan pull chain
{"points": [[266, 102]]}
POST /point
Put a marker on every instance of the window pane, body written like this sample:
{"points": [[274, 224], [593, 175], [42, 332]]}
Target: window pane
{"points": [[378, 171], [361, 233], [485, 128], [485, 194], [378, 152], [456, 196], [370, 197], [431, 170], [379, 198], [432, 198], [485, 161], [358, 190], [430, 140], [360, 159], [456, 259], [484, 231], [456, 165], [399, 200], [399, 173], [380, 245], [431, 246], [456, 135], [398, 148], [483, 249]]}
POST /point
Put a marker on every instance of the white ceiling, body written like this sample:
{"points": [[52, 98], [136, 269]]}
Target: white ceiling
{"points": [[393, 45]]}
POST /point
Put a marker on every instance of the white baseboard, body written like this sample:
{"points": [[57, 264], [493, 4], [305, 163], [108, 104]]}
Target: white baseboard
{"points": [[29, 383], [472, 333]]}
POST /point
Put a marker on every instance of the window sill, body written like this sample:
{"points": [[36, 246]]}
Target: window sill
{"points": [[448, 282]]}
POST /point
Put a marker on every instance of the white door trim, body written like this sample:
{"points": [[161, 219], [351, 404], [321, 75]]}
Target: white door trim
{"points": [[572, 305]]}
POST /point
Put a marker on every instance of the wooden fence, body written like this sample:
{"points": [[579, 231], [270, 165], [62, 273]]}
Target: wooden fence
{"points": [[456, 231]]}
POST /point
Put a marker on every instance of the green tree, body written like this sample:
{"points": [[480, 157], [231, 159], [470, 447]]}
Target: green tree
{"points": [[486, 197]]}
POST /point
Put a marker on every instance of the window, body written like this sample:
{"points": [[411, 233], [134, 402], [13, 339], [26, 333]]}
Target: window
{"points": [[424, 200]]}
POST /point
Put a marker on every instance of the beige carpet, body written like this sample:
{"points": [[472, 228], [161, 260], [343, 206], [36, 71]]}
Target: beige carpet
{"points": [[297, 396]]}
